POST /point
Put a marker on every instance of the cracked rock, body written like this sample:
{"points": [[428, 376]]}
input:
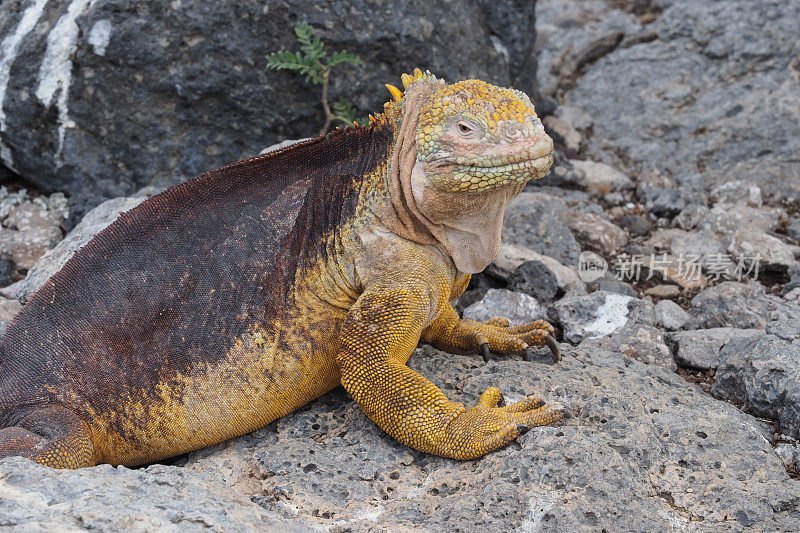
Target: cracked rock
{"points": [[517, 307], [700, 348], [760, 372], [596, 233], [539, 222]]}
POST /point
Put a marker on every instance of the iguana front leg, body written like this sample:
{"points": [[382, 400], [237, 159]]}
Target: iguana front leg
{"points": [[449, 332], [378, 336]]}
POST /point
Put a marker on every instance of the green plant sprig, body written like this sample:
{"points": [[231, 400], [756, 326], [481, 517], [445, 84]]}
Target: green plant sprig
{"points": [[313, 62]]}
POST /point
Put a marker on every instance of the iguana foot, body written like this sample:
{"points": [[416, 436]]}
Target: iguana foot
{"points": [[52, 436], [488, 427], [497, 336]]}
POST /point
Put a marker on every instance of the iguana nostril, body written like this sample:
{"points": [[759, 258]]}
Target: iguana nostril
{"points": [[513, 134]]}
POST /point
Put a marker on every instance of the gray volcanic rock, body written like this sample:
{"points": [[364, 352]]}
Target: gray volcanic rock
{"points": [[598, 314], [639, 450], [539, 222], [600, 178], [28, 228], [739, 305], [8, 310], [670, 315], [636, 224], [703, 71], [737, 192], [700, 348], [102, 98], [104, 498], [773, 254], [5, 273], [517, 307], [512, 257], [637, 341], [596, 233], [761, 373], [666, 203]]}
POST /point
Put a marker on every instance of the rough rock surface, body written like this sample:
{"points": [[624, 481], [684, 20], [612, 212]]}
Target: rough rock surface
{"points": [[539, 222], [29, 226], [641, 450], [670, 315], [597, 314], [773, 254], [104, 498], [512, 257], [761, 372], [8, 309], [738, 305], [517, 307], [102, 98], [536, 279], [637, 341], [596, 233], [699, 70], [702, 145], [699, 348]]}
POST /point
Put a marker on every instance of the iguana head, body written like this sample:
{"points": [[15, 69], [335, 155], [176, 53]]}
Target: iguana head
{"points": [[462, 151]]}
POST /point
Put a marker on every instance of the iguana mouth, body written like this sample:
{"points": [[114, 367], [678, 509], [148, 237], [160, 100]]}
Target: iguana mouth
{"points": [[502, 168], [486, 174]]}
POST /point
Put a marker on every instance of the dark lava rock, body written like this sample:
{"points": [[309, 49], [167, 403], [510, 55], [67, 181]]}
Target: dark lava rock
{"points": [[705, 68], [663, 203], [5, 273], [738, 305], [761, 373], [539, 222], [534, 278], [636, 224], [105, 97]]}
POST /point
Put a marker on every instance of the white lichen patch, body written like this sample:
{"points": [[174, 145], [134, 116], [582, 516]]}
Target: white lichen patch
{"points": [[55, 72], [8, 53], [538, 506], [611, 316], [370, 514], [99, 36]]}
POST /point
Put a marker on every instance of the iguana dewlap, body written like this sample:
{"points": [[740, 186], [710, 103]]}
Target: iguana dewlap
{"points": [[235, 298]]}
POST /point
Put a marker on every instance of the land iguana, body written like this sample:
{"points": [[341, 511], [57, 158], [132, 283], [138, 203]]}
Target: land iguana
{"points": [[234, 298]]}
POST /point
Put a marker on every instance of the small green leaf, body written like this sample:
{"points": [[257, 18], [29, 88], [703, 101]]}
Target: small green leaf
{"points": [[313, 62], [303, 31], [283, 60], [344, 108], [343, 57]]}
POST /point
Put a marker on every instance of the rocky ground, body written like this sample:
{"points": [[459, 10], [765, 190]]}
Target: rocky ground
{"points": [[663, 245]]}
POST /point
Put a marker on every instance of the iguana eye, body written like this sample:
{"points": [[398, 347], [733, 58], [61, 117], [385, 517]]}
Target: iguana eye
{"points": [[464, 128]]}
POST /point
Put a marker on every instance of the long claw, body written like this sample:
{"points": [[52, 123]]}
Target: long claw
{"points": [[554, 349], [485, 352], [526, 354]]}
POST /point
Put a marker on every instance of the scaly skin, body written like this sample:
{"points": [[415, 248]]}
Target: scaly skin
{"points": [[233, 299]]}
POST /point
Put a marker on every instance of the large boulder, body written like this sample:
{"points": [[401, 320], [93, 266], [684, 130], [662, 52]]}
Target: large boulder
{"points": [[98, 99]]}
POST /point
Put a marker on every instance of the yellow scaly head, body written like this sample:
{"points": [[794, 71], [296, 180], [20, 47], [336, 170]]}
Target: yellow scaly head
{"points": [[474, 136]]}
